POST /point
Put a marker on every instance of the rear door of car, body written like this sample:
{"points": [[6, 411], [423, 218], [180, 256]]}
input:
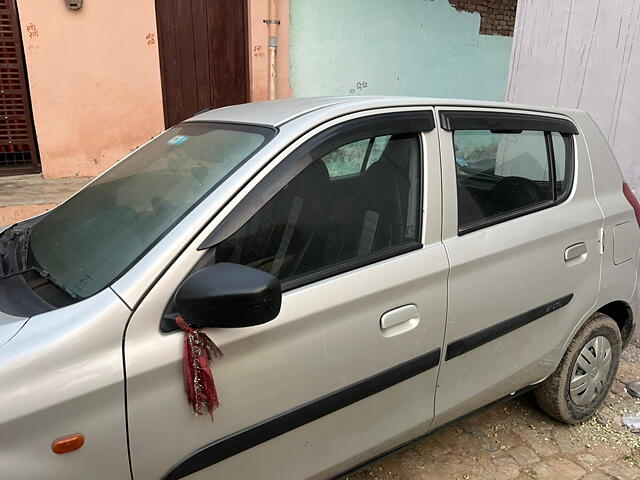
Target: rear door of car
{"points": [[521, 227], [348, 368]]}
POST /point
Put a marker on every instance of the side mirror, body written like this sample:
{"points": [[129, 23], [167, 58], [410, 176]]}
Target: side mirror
{"points": [[228, 295]]}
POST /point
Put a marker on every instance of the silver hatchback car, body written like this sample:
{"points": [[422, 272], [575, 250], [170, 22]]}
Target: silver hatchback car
{"points": [[373, 269]]}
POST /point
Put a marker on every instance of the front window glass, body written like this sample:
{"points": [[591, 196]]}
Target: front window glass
{"points": [[347, 160], [321, 220], [354, 158], [91, 239]]}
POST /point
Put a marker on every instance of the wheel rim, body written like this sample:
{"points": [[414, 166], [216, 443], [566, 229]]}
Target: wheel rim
{"points": [[591, 371]]}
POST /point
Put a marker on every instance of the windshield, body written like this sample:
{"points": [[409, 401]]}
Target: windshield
{"points": [[92, 238]]}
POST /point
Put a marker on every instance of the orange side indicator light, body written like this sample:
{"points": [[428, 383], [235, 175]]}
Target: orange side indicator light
{"points": [[68, 443]]}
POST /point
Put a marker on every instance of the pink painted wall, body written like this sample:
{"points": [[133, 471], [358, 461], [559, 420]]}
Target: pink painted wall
{"points": [[259, 45], [94, 78]]}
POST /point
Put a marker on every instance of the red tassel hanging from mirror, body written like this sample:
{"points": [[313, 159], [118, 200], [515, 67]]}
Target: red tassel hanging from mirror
{"points": [[199, 350]]}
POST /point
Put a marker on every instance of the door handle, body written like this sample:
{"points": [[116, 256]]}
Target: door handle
{"points": [[399, 320], [575, 251]]}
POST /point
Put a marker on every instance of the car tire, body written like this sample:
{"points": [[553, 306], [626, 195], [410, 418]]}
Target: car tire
{"points": [[573, 393]]}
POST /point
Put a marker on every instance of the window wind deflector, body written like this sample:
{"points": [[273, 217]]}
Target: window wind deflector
{"points": [[503, 122], [510, 132], [397, 123]]}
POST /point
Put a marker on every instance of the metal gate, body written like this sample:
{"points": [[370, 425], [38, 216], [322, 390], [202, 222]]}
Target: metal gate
{"points": [[204, 55], [18, 152]]}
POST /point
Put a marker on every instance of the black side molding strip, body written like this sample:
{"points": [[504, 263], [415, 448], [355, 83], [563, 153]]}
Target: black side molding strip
{"points": [[502, 122], [475, 340], [256, 434]]}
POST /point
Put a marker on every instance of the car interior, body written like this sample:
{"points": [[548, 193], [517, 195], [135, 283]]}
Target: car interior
{"points": [[482, 195], [486, 192]]}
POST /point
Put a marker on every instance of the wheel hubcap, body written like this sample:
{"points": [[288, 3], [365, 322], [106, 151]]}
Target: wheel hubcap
{"points": [[591, 371]]}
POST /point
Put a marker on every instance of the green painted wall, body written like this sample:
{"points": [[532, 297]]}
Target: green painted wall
{"points": [[400, 47]]}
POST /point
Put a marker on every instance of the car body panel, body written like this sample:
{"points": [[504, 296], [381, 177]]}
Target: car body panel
{"points": [[615, 283], [523, 257], [63, 374], [311, 349], [279, 112], [9, 326], [322, 347], [96, 368]]}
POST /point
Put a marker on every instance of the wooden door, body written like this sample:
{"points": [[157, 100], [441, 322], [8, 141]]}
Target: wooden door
{"points": [[18, 150], [203, 55]]}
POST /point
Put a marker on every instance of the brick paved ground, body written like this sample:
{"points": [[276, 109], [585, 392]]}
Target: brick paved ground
{"points": [[516, 440]]}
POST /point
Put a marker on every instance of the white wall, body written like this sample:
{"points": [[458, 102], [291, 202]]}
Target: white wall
{"points": [[583, 54]]}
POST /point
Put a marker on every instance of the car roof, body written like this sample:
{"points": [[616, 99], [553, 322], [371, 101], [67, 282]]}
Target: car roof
{"points": [[275, 113]]}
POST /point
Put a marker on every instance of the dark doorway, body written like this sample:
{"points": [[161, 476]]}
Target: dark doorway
{"points": [[18, 151], [203, 55]]}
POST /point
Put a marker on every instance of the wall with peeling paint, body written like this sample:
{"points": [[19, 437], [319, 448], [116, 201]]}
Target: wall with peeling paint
{"points": [[497, 17], [94, 79], [583, 55], [378, 47]]}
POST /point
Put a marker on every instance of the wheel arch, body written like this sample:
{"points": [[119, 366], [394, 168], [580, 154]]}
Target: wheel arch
{"points": [[621, 313]]}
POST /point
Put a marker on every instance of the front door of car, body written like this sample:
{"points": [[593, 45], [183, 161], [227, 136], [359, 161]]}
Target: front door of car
{"points": [[521, 229], [350, 223]]}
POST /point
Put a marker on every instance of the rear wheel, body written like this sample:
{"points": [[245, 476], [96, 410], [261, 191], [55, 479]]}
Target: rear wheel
{"points": [[581, 382]]}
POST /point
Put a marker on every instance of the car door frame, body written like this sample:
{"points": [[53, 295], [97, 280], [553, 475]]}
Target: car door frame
{"points": [[450, 196], [431, 212], [450, 233]]}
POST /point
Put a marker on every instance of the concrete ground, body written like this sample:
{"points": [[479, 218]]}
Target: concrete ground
{"points": [[516, 440], [24, 196]]}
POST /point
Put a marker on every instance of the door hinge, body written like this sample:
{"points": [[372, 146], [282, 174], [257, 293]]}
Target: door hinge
{"points": [[601, 241]]}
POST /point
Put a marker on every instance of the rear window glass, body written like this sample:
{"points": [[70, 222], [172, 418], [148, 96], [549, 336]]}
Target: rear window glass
{"points": [[562, 151], [502, 173]]}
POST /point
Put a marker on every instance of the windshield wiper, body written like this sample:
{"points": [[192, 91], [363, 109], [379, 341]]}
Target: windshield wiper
{"points": [[22, 254], [14, 246], [15, 274]]}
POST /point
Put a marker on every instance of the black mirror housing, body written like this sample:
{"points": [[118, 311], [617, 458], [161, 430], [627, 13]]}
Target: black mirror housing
{"points": [[228, 295]]}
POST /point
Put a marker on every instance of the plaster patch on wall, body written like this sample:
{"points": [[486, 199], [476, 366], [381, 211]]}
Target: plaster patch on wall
{"points": [[497, 17]]}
